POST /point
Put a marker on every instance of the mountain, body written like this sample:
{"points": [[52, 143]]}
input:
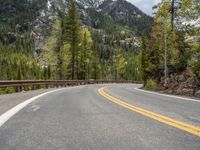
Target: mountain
{"points": [[126, 14], [35, 17]]}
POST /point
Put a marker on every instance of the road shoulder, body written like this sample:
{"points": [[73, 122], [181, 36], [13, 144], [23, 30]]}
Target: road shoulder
{"points": [[9, 101]]}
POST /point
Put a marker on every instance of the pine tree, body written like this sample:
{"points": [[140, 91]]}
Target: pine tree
{"points": [[52, 51], [85, 54], [72, 31], [59, 45]]}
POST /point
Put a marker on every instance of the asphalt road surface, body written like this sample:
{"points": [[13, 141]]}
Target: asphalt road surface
{"points": [[116, 117]]}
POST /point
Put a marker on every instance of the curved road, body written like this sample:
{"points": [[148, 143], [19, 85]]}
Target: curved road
{"points": [[85, 118]]}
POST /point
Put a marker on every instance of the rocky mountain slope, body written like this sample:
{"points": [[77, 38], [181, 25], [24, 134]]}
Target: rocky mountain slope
{"points": [[90, 3], [126, 14], [35, 17]]}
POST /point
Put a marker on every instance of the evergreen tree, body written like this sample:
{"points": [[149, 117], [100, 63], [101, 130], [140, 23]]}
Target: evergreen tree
{"points": [[72, 31], [85, 54], [52, 51], [59, 45]]}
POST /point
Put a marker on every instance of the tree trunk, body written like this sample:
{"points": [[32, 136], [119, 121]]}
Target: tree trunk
{"points": [[172, 13]]}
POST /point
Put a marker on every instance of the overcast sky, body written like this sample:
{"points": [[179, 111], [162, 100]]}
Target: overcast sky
{"points": [[145, 5]]}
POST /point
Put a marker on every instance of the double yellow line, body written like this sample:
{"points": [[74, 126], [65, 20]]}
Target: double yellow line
{"points": [[180, 125]]}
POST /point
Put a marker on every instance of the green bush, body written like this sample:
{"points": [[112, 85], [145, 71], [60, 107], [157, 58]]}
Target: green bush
{"points": [[194, 62], [151, 84], [8, 90]]}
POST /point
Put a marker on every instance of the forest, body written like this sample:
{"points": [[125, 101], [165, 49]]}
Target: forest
{"points": [[72, 51], [76, 51]]}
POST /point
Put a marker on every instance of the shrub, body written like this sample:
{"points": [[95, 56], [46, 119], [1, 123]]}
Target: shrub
{"points": [[151, 84]]}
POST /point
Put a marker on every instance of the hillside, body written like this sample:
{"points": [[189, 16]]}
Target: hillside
{"points": [[31, 34], [37, 16], [127, 15]]}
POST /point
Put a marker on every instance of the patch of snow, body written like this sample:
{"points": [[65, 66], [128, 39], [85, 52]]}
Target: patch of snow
{"points": [[49, 5], [138, 16], [90, 3], [195, 23]]}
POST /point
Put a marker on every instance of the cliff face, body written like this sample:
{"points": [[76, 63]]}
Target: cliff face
{"points": [[43, 23]]}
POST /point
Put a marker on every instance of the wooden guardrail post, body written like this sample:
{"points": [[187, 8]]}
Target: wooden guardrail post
{"points": [[34, 84], [33, 87], [46, 86], [19, 88]]}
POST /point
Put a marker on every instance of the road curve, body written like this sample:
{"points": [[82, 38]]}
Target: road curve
{"points": [[82, 118]]}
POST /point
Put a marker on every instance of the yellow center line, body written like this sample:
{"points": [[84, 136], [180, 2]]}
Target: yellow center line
{"points": [[174, 123]]}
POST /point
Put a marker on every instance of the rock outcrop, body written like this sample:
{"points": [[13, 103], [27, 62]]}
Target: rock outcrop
{"points": [[184, 83]]}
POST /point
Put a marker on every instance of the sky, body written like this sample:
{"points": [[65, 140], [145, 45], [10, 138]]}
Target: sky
{"points": [[145, 5]]}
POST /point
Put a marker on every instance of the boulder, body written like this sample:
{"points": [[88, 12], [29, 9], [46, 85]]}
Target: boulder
{"points": [[197, 94], [181, 78], [185, 91], [190, 82], [182, 84]]}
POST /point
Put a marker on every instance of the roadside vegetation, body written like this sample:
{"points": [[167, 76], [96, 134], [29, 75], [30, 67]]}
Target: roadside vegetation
{"points": [[175, 32], [163, 58]]}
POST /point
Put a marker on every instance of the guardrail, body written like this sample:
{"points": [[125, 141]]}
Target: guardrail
{"points": [[20, 85]]}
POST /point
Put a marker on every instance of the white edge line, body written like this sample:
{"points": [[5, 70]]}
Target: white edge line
{"points": [[10, 113], [167, 95]]}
